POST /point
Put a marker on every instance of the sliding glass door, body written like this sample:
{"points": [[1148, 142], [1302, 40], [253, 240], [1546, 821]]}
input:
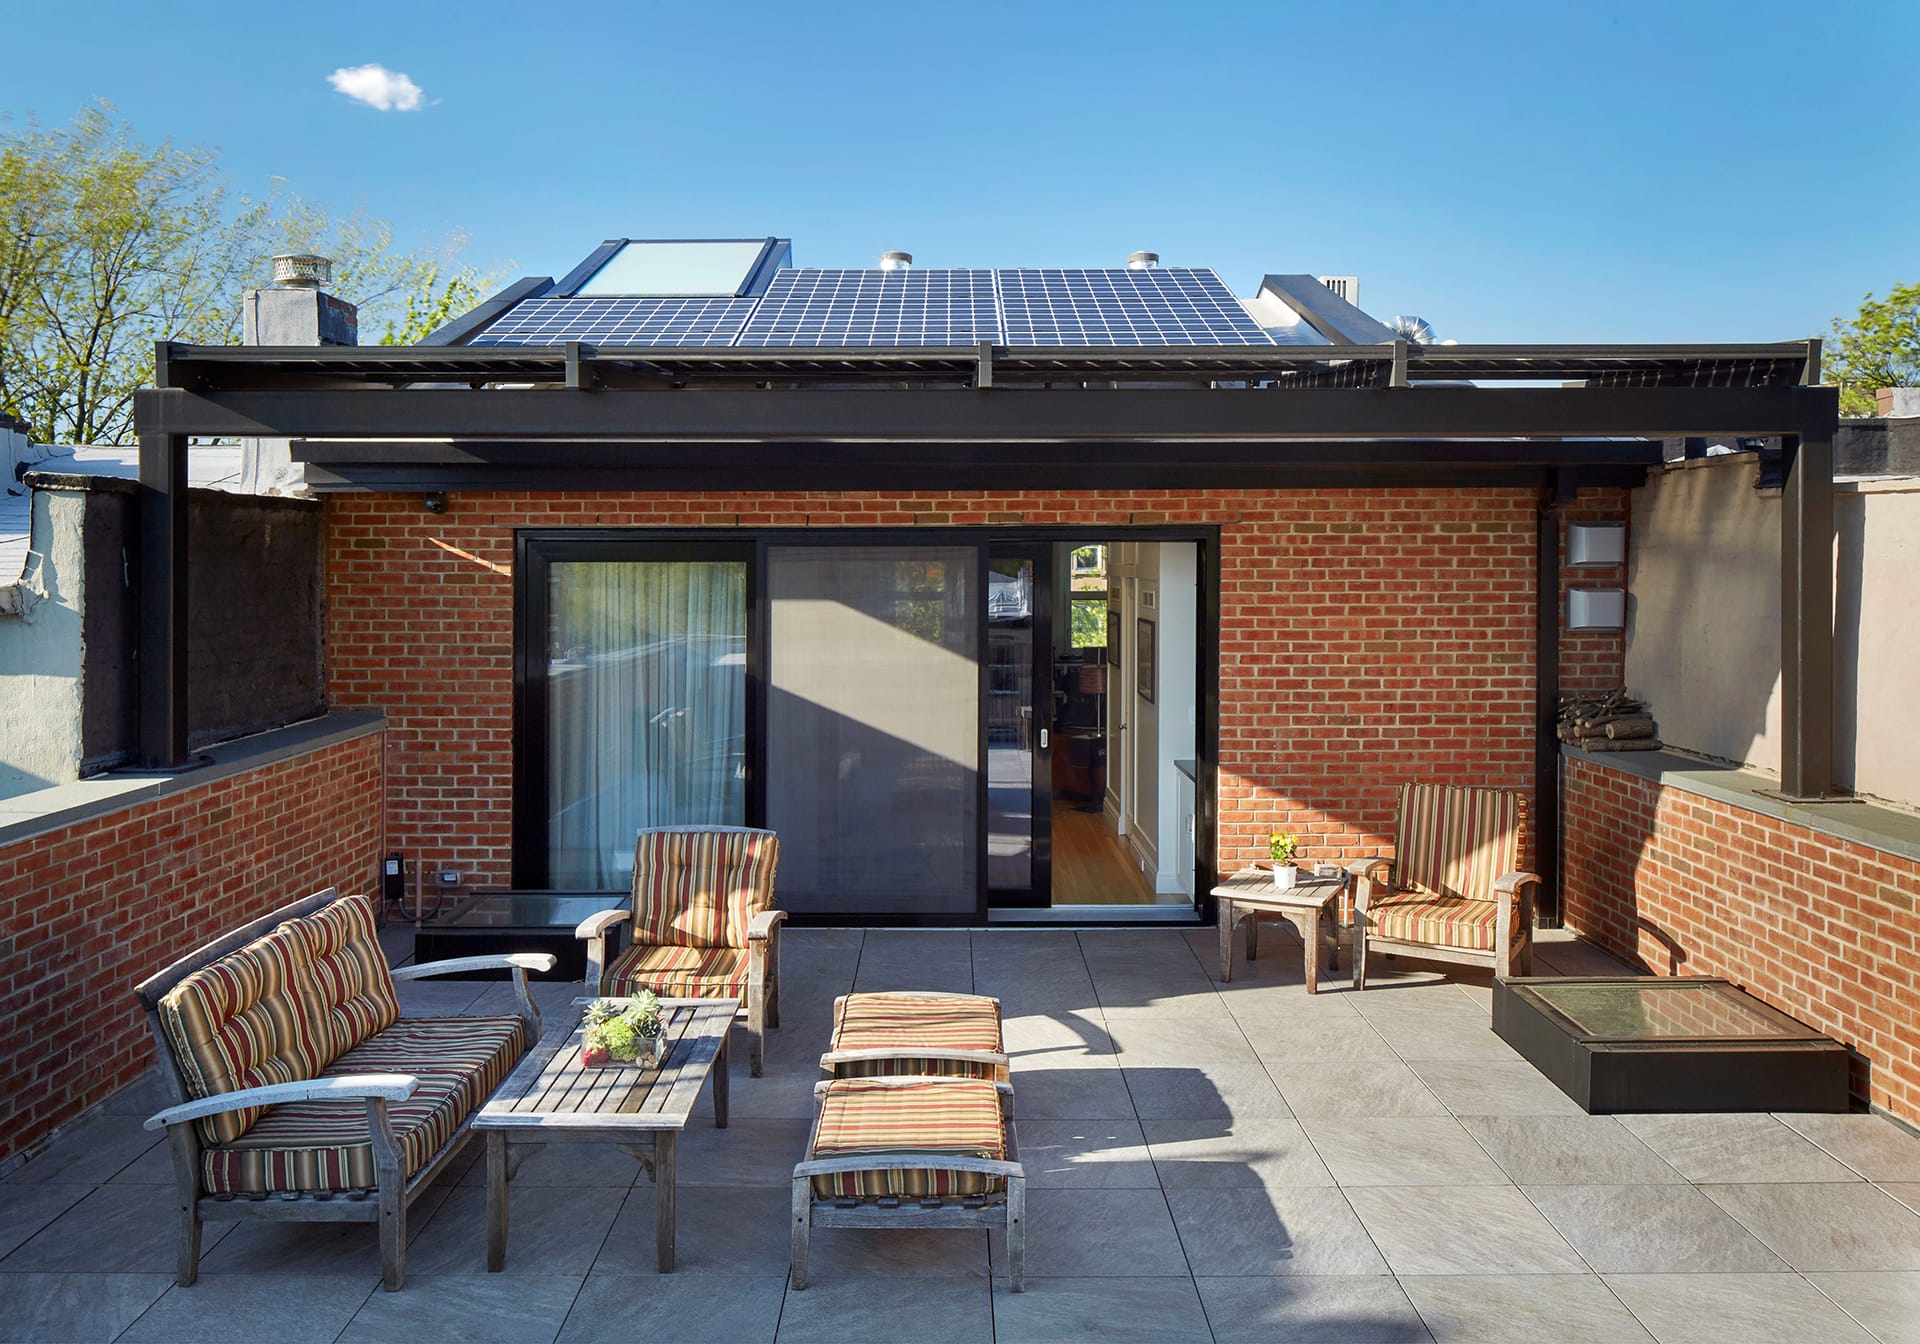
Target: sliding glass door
{"points": [[873, 728], [645, 706]]}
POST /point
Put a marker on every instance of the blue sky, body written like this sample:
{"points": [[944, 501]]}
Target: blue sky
{"points": [[1511, 172]]}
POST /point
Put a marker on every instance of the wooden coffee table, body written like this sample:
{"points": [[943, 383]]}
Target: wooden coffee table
{"points": [[553, 1098], [1307, 905]]}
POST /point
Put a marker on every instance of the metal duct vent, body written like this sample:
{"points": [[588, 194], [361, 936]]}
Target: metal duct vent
{"points": [[896, 261], [1344, 286], [301, 270], [1142, 261]]}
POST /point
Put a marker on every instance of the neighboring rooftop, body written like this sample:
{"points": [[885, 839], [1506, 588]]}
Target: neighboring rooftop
{"points": [[212, 467], [747, 293]]}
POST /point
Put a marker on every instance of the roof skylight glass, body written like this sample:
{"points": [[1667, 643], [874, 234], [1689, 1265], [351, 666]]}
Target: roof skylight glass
{"points": [[710, 268]]}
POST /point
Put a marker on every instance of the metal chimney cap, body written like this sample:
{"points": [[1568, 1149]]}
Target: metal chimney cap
{"points": [[302, 270], [896, 261], [1142, 261]]}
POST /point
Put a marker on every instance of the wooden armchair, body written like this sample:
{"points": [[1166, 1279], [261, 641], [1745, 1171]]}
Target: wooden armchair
{"points": [[1453, 890], [704, 926]]}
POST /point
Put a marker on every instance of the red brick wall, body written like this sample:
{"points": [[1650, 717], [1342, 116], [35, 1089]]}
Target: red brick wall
{"points": [[1594, 661], [1367, 637], [94, 907], [1821, 928]]}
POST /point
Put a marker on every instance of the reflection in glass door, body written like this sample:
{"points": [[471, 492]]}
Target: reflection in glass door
{"points": [[1019, 713]]}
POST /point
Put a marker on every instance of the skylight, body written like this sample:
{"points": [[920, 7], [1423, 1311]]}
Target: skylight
{"points": [[706, 268]]}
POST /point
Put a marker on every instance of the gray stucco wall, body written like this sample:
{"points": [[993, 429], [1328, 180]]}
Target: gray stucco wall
{"points": [[1703, 626]]}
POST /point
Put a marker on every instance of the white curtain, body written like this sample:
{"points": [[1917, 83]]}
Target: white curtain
{"points": [[646, 686]]}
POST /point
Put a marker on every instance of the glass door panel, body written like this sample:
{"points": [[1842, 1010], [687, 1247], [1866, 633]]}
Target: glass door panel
{"points": [[873, 728], [646, 708], [1019, 715]]}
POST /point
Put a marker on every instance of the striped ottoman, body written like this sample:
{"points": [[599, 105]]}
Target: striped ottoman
{"points": [[923, 1034], [911, 1151]]}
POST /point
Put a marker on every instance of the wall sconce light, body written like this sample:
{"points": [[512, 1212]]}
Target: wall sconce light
{"points": [[434, 502], [1596, 609], [1596, 545]]}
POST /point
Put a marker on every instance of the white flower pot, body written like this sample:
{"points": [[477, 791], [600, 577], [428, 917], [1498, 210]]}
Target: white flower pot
{"points": [[1285, 875]]}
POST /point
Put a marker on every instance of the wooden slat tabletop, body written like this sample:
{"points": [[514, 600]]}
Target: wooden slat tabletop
{"points": [[552, 1088]]}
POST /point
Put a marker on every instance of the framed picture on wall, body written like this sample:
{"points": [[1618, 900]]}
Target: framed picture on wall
{"points": [[1113, 637], [1143, 642]]}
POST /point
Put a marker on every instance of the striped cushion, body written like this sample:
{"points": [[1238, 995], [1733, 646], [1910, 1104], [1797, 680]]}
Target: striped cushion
{"points": [[249, 1019], [678, 972], [356, 990], [1438, 921], [903, 1021], [959, 1117], [322, 1145], [1455, 841], [702, 886]]}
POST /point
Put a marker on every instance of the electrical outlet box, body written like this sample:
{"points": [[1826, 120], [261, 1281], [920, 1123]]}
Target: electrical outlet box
{"points": [[449, 877]]}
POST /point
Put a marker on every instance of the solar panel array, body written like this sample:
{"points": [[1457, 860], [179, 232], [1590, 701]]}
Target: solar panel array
{"points": [[863, 307], [1176, 305], [620, 322]]}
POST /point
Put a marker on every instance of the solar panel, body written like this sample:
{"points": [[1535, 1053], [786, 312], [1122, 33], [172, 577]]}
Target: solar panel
{"points": [[1174, 305], [619, 322], [868, 307]]}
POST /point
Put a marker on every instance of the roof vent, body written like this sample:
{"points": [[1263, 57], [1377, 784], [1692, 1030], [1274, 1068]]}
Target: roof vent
{"points": [[1142, 261], [1344, 286], [301, 270], [896, 261]]}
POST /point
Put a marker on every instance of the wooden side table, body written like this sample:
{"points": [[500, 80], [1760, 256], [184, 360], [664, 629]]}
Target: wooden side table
{"points": [[1308, 906]]}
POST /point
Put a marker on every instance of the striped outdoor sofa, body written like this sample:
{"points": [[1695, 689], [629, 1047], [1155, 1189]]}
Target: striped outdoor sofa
{"points": [[1453, 890], [301, 1093], [703, 925]]}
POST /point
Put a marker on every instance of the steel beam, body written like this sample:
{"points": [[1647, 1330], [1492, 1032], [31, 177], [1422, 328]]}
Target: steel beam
{"points": [[998, 415], [163, 600], [1806, 621]]}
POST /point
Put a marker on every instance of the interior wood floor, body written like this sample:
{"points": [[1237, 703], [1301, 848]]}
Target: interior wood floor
{"points": [[1092, 865]]}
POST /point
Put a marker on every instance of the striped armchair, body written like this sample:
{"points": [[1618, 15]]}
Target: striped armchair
{"points": [[704, 926], [1453, 890]]}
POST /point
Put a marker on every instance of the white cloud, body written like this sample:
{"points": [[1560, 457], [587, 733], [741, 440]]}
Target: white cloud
{"points": [[379, 87]]}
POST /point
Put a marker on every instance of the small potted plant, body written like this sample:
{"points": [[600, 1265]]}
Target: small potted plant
{"points": [[1280, 848], [622, 1031]]}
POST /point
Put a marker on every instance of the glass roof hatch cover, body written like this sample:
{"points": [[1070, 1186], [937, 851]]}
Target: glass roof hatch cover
{"points": [[684, 268]]}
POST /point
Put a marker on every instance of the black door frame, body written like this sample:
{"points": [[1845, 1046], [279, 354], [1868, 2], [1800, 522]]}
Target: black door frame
{"points": [[536, 548], [1038, 893]]}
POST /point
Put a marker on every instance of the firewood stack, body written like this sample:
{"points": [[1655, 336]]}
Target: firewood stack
{"points": [[1615, 721]]}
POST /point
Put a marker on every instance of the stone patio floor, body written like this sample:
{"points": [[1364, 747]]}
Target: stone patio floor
{"points": [[1206, 1162]]}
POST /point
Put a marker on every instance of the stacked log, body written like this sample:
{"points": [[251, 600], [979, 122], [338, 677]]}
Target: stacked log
{"points": [[1615, 721]]}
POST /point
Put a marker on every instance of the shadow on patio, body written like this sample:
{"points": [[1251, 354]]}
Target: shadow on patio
{"points": [[1217, 1162]]}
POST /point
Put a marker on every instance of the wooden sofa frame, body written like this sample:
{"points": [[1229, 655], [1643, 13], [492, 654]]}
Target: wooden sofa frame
{"points": [[394, 1194], [1009, 1213]]}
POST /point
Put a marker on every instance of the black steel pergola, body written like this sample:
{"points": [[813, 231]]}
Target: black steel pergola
{"points": [[575, 417]]}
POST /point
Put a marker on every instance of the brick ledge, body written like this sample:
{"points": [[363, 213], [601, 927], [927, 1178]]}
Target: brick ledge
{"points": [[1864, 823], [29, 814]]}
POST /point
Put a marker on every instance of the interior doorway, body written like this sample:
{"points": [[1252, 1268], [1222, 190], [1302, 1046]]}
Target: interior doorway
{"points": [[1091, 710]]}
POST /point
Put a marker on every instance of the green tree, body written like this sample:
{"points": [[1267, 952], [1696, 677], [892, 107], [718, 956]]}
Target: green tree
{"points": [[108, 244], [1879, 348]]}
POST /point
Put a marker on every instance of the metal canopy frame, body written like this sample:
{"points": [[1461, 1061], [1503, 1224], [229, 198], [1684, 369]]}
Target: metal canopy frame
{"points": [[578, 417]]}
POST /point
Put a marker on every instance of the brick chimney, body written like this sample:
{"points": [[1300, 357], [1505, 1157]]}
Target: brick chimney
{"points": [[295, 311]]}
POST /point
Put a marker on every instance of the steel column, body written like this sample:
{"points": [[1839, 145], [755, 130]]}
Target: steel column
{"points": [[163, 599], [1546, 704], [1806, 621]]}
